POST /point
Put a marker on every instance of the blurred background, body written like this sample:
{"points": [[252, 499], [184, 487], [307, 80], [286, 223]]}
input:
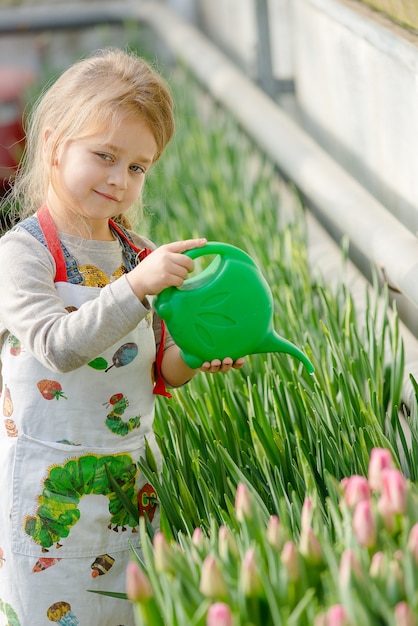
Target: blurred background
{"points": [[342, 76]]}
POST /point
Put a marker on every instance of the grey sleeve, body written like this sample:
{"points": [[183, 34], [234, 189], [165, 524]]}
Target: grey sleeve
{"points": [[32, 311]]}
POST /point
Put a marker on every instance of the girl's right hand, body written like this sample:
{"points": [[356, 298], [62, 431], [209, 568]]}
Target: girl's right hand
{"points": [[164, 267]]}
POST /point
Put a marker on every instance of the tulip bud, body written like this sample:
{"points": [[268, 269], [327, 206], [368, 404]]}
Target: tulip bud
{"points": [[306, 514], [349, 567], [357, 489], [219, 614], [320, 619], [274, 532], [227, 545], [413, 542], [336, 616], [162, 553], [378, 565], [212, 583], [242, 503], [364, 524], [309, 546], [404, 615], [198, 538], [386, 513], [290, 560], [395, 582], [250, 578], [380, 459], [394, 490], [138, 588]]}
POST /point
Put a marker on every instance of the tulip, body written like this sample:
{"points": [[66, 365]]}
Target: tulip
{"points": [[219, 614], [320, 619], [290, 559], [394, 490], [226, 543], [385, 509], [357, 489], [306, 514], [380, 459], [395, 582], [349, 567], [404, 615], [378, 565], [364, 524], [198, 538], [250, 578], [413, 542], [162, 553], [309, 546], [212, 583], [274, 532], [138, 587], [242, 503], [336, 616]]}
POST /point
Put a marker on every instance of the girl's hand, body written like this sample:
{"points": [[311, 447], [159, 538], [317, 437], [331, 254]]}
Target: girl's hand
{"points": [[215, 366], [164, 267]]}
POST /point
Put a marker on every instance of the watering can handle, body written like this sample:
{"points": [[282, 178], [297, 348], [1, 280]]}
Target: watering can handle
{"points": [[221, 248]]}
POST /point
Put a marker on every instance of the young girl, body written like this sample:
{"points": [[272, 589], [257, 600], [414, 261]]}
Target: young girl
{"points": [[82, 352]]}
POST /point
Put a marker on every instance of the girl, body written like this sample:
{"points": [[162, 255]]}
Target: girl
{"points": [[82, 353]]}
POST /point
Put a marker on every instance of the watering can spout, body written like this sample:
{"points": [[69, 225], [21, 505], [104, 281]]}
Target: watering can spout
{"points": [[275, 343]]}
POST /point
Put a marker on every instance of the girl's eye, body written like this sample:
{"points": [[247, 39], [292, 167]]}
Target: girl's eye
{"points": [[137, 168], [105, 157]]}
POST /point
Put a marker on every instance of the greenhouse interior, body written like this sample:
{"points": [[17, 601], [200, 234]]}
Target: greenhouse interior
{"points": [[287, 489]]}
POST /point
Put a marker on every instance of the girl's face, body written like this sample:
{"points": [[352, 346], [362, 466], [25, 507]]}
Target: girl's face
{"points": [[103, 175]]}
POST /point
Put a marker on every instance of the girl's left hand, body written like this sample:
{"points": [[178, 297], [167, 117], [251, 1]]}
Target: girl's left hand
{"points": [[215, 366]]}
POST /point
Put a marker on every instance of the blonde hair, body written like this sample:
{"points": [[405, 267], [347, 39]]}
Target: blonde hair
{"points": [[86, 98]]}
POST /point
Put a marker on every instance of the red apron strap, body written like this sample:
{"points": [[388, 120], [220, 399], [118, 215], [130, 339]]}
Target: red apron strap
{"points": [[53, 243], [159, 387]]}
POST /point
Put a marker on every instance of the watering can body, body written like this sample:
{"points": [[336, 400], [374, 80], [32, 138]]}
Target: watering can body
{"points": [[224, 311]]}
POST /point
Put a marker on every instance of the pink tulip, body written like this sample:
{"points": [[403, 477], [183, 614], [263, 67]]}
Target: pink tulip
{"points": [[394, 490], [336, 616], [364, 524], [290, 559], [198, 538], [250, 578], [349, 567], [162, 553], [274, 532], [212, 583], [380, 459], [413, 542], [357, 489], [404, 615], [385, 509], [309, 546], [306, 515], [219, 614], [378, 565], [242, 503], [138, 588], [227, 545]]}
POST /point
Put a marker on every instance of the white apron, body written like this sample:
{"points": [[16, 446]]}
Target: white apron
{"points": [[63, 528]]}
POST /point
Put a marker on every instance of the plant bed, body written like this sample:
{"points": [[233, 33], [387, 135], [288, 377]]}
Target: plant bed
{"points": [[287, 440]]}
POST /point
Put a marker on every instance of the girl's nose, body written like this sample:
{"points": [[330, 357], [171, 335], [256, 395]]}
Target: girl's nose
{"points": [[118, 176]]}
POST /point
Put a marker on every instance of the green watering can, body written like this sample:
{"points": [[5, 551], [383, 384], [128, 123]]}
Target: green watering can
{"points": [[224, 311]]}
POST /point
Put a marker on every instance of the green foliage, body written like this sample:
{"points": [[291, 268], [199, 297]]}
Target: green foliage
{"points": [[270, 425]]}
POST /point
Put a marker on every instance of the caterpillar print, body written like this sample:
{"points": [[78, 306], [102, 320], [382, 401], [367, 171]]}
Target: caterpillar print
{"points": [[118, 404], [58, 505], [10, 614]]}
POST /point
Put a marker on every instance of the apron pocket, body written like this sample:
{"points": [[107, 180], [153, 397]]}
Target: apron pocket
{"points": [[65, 502]]}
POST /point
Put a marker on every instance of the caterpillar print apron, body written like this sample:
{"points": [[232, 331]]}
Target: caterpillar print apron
{"points": [[65, 442]]}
